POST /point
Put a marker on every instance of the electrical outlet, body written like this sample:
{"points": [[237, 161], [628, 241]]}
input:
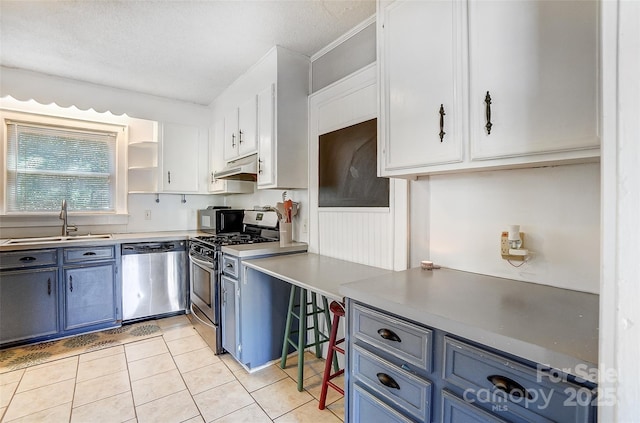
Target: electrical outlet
{"points": [[504, 247], [305, 226], [147, 215]]}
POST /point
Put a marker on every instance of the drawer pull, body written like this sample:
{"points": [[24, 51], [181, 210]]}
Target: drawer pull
{"points": [[27, 259], [389, 335], [229, 265], [89, 253], [509, 386], [387, 381]]}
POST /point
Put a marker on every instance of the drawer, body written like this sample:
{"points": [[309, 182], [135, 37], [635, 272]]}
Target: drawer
{"points": [[74, 255], [368, 409], [512, 390], [230, 265], [27, 258], [407, 341], [411, 393], [456, 410]]}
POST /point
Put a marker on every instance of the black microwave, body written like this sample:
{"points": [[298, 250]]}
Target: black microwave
{"points": [[220, 220]]}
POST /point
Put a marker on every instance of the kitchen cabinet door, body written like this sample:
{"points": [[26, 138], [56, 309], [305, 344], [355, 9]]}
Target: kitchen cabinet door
{"points": [[230, 146], [90, 296], [420, 86], [538, 62], [240, 138], [229, 315], [28, 304], [180, 158], [266, 138], [247, 122]]}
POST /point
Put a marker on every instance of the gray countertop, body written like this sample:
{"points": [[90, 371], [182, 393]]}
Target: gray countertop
{"points": [[115, 239], [547, 325], [320, 274], [264, 248]]}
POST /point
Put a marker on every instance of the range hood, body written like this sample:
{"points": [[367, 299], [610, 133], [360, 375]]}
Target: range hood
{"points": [[244, 169]]}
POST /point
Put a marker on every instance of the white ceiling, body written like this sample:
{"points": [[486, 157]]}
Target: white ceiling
{"points": [[186, 50]]}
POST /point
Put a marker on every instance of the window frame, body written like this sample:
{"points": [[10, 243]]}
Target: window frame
{"points": [[120, 172]]}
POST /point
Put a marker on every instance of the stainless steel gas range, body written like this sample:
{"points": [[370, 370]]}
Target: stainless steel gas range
{"points": [[260, 229]]}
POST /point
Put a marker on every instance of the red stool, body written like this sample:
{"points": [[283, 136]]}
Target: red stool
{"points": [[338, 311]]}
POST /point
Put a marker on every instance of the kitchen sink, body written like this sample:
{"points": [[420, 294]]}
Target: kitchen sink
{"points": [[50, 239]]}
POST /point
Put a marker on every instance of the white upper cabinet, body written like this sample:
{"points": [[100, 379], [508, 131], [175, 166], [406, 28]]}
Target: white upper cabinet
{"points": [[538, 60], [217, 163], [240, 130], [272, 122], [421, 103], [528, 68], [266, 137], [180, 158]]}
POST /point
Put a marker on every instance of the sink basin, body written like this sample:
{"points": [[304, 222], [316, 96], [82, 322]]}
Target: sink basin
{"points": [[49, 239]]}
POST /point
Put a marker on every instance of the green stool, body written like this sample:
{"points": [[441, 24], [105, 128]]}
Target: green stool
{"points": [[299, 342]]}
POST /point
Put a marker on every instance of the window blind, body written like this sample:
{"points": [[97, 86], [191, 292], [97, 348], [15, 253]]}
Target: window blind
{"points": [[46, 164]]}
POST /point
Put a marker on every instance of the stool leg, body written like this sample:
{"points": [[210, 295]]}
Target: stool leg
{"points": [[327, 366], [316, 328], [302, 336], [327, 319], [287, 331]]}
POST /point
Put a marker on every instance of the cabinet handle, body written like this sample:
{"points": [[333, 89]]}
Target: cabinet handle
{"points": [[169, 176], [389, 335], [49, 286], [89, 253], [240, 138], [442, 113], [71, 283], [487, 101], [259, 165], [27, 259], [509, 386], [387, 381], [212, 179], [233, 140], [228, 265]]}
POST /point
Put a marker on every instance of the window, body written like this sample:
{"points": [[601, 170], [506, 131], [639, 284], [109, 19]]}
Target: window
{"points": [[51, 159]]}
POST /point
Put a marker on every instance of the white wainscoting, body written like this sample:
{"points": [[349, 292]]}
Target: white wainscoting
{"points": [[373, 236]]}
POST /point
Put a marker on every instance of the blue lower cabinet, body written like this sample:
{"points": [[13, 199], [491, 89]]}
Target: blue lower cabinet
{"points": [[90, 296], [28, 304], [366, 408], [456, 410], [512, 390], [467, 382]]}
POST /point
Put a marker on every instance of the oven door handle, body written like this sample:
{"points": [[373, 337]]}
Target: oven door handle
{"points": [[201, 263]]}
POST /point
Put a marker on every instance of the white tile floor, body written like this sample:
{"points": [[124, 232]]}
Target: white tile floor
{"points": [[173, 377]]}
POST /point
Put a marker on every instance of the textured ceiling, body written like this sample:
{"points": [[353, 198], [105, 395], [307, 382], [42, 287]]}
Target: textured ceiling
{"points": [[185, 50]]}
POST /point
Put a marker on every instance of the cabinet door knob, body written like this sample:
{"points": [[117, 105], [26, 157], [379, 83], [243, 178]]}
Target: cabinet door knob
{"points": [[442, 113], [389, 335], [487, 101], [388, 381]]}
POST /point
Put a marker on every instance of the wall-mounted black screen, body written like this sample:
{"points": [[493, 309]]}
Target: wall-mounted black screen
{"points": [[347, 168]]}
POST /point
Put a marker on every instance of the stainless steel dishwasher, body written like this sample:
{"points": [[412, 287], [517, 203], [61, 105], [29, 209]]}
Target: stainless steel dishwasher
{"points": [[154, 279]]}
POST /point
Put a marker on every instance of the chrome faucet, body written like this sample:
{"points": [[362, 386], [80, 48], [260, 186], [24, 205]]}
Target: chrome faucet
{"points": [[66, 228]]}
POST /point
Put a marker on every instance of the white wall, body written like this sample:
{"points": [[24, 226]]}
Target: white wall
{"points": [[558, 209]]}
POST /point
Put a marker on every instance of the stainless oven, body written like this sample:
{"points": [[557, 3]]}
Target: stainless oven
{"points": [[205, 288]]}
